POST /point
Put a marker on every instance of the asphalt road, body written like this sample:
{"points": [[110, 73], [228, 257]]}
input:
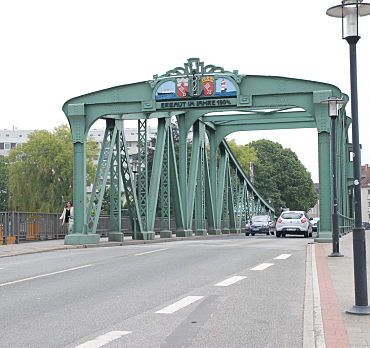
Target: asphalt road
{"points": [[221, 292]]}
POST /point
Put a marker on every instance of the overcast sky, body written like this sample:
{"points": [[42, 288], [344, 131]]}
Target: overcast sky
{"points": [[56, 50]]}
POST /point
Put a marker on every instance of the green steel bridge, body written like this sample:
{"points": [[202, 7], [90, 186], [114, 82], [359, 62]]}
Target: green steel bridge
{"points": [[212, 190]]}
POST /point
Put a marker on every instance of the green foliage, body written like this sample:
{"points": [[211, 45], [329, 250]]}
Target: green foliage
{"points": [[279, 175], [243, 154], [41, 171], [4, 177]]}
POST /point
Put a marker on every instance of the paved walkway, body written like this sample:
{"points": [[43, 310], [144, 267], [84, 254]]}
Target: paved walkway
{"points": [[329, 288]]}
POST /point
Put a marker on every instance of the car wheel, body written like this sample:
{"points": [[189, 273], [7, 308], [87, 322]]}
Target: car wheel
{"points": [[306, 234], [311, 234], [252, 234], [283, 235], [267, 233], [277, 235], [247, 234]]}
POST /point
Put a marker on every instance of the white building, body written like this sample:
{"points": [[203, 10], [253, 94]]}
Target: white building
{"points": [[9, 138]]}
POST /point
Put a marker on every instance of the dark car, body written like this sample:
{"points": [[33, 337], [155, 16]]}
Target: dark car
{"points": [[259, 224]]}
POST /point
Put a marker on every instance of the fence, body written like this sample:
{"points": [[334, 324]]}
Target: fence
{"points": [[17, 227]]}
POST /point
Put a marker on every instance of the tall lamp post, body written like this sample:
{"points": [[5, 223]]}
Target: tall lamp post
{"points": [[349, 11], [333, 113]]}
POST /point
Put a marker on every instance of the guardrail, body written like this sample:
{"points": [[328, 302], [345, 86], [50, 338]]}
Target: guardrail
{"points": [[346, 224], [17, 227]]}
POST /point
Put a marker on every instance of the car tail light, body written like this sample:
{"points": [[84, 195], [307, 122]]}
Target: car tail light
{"points": [[279, 220], [303, 221]]}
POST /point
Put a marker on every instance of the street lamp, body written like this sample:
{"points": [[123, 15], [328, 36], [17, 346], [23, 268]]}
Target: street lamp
{"points": [[332, 103], [349, 11]]}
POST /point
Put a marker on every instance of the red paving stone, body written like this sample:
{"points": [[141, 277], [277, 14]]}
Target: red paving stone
{"points": [[335, 332]]}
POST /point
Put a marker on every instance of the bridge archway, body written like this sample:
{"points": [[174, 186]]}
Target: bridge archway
{"points": [[198, 96]]}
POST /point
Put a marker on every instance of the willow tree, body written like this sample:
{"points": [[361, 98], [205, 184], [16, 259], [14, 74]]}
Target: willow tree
{"points": [[41, 171]]}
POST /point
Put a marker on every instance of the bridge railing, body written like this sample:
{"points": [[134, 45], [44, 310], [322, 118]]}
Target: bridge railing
{"points": [[18, 227], [346, 224]]}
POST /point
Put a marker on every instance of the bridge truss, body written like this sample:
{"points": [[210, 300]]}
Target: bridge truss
{"points": [[210, 193]]}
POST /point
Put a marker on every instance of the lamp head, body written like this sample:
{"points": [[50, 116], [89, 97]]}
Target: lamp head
{"points": [[349, 11], [333, 102]]}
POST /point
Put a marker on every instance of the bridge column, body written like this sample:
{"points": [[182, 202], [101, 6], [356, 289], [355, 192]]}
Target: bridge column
{"points": [[76, 117], [183, 134], [325, 229], [214, 230], [324, 232], [115, 233]]}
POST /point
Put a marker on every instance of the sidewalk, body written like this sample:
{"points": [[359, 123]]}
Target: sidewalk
{"points": [[330, 325], [329, 288]]}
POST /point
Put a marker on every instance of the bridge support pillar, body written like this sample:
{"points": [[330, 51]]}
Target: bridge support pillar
{"points": [[324, 234], [235, 230], [81, 238], [200, 232], [184, 233], [145, 235], [115, 236], [214, 231], [165, 234]]}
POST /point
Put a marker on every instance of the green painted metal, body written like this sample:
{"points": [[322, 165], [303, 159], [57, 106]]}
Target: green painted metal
{"points": [[217, 188]]}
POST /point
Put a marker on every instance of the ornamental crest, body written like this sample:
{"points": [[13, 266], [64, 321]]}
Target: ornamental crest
{"points": [[196, 81], [208, 84], [182, 87]]}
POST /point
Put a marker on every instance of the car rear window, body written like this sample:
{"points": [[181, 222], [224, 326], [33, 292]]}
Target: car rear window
{"points": [[291, 215], [259, 219]]}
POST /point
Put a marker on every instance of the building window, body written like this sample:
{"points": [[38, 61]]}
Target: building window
{"points": [[129, 144], [7, 135], [13, 145], [20, 135], [7, 146], [1, 146]]}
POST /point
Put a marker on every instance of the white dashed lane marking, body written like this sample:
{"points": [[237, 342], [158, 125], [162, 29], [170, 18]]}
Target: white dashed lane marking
{"points": [[230, 281], [149, 252], [179, 304], [103, 339], [283, 256], [44, 275], [262, 266]]}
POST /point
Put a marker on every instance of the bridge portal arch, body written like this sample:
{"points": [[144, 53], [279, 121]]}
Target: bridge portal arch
{"points": [[215, 102]]}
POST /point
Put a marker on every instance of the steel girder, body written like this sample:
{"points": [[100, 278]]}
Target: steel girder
{"points": [[210, 185]]}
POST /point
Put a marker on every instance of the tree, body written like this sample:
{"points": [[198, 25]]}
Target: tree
{"points": [[279, 175], [243, 154], [4, 177], [41, 171]]}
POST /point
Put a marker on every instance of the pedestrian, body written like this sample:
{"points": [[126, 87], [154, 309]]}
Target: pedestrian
{"points": [[67, 216]]}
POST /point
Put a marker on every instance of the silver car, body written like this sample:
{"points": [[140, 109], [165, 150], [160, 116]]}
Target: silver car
{"points": [[293, 222]]}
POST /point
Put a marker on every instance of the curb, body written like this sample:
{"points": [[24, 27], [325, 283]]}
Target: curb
{"points": [[107, 244]]}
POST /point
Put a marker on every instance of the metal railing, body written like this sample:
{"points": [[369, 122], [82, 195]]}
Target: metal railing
{"points": [[346, 224], [17, 227]]}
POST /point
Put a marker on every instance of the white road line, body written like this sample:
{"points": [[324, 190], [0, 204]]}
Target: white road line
{"points": [[230, 281], [104, 339], [179, 304], [262, 266], [44, 275], [149, 252], [283, 256], [317, 316]]}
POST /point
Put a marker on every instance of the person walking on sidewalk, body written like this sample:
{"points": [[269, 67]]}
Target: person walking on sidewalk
{"points": [[67, 216]]}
